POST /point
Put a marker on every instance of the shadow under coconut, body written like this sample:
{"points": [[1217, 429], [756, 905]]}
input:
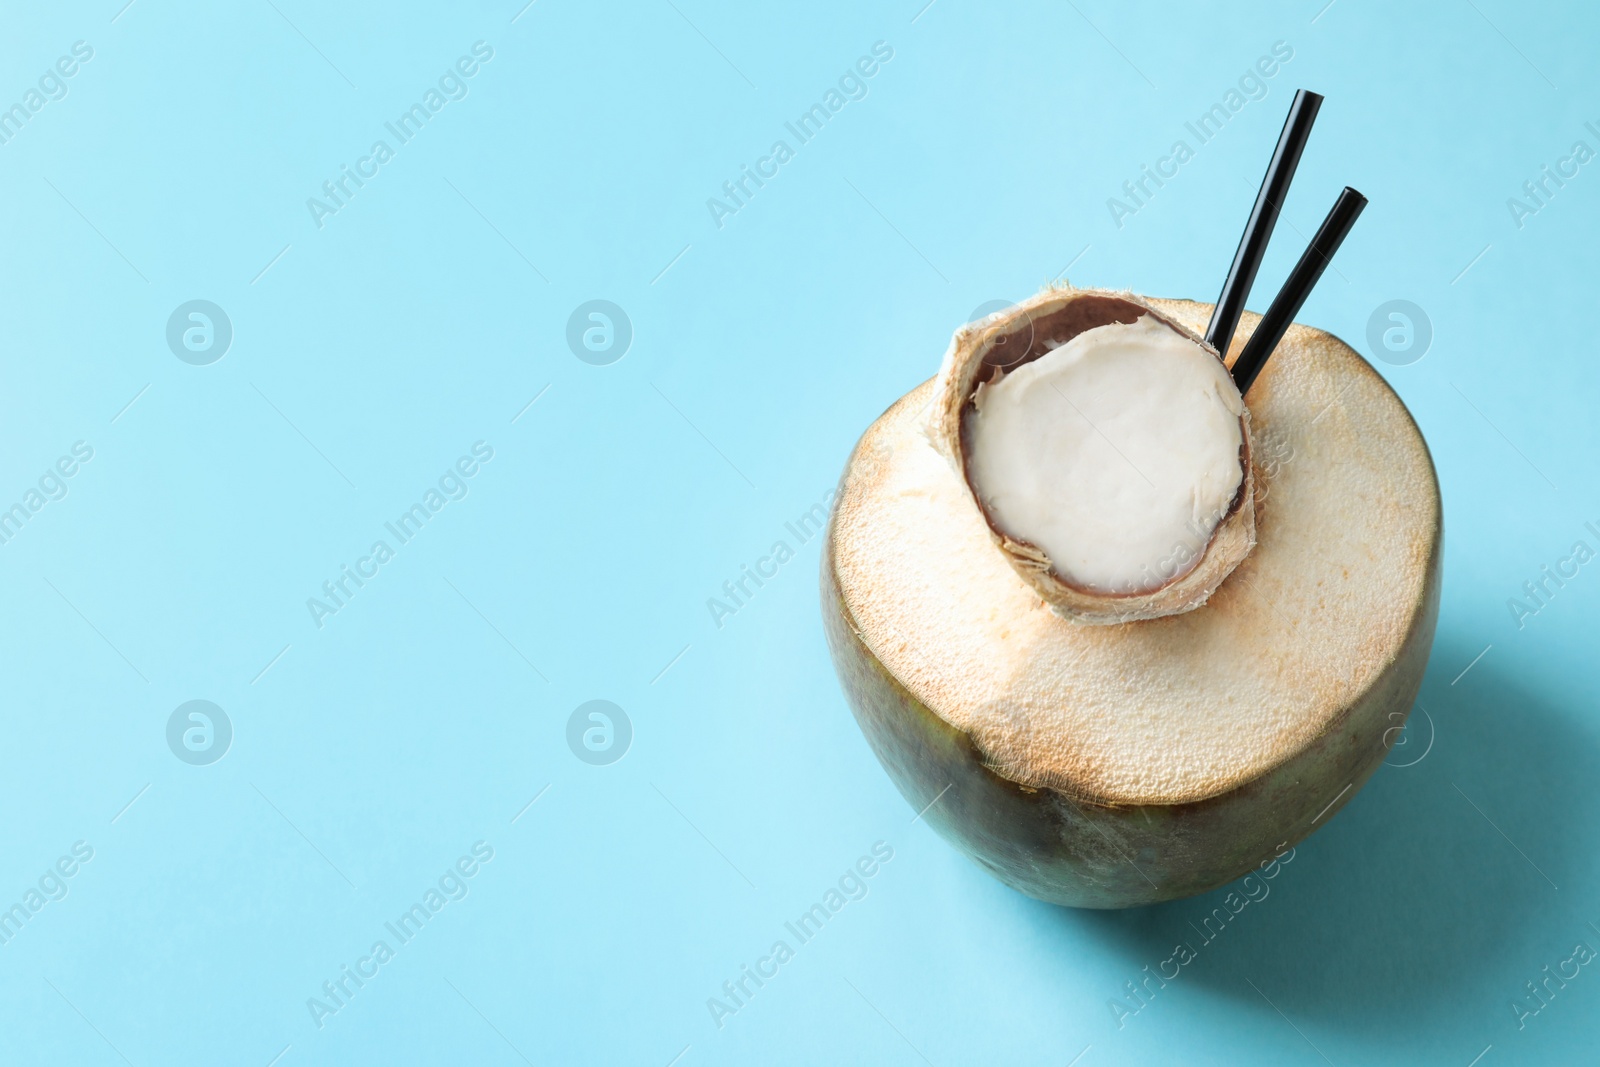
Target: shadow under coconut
{"points": [[1426, 899]]}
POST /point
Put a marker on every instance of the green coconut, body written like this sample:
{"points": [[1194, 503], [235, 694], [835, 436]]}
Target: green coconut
{"points": [[1126, 763]]}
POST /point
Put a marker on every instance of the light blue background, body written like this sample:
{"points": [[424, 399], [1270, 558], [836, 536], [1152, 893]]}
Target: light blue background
{"points": [[371, 753]]}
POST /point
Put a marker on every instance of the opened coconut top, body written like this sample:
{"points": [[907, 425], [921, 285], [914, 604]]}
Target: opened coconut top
{"points": [[1117, 452], [1183, 707], [1107, 448]]}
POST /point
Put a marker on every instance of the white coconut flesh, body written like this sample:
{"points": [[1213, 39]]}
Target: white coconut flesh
{"points": [[1116, 453]]}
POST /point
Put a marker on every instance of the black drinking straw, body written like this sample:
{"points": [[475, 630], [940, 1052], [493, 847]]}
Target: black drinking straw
{"points": [[1263, 217], [1286, 305]]}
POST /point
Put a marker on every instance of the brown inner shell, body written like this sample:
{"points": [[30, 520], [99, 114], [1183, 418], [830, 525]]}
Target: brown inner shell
{"points": [[1042, 333]]}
